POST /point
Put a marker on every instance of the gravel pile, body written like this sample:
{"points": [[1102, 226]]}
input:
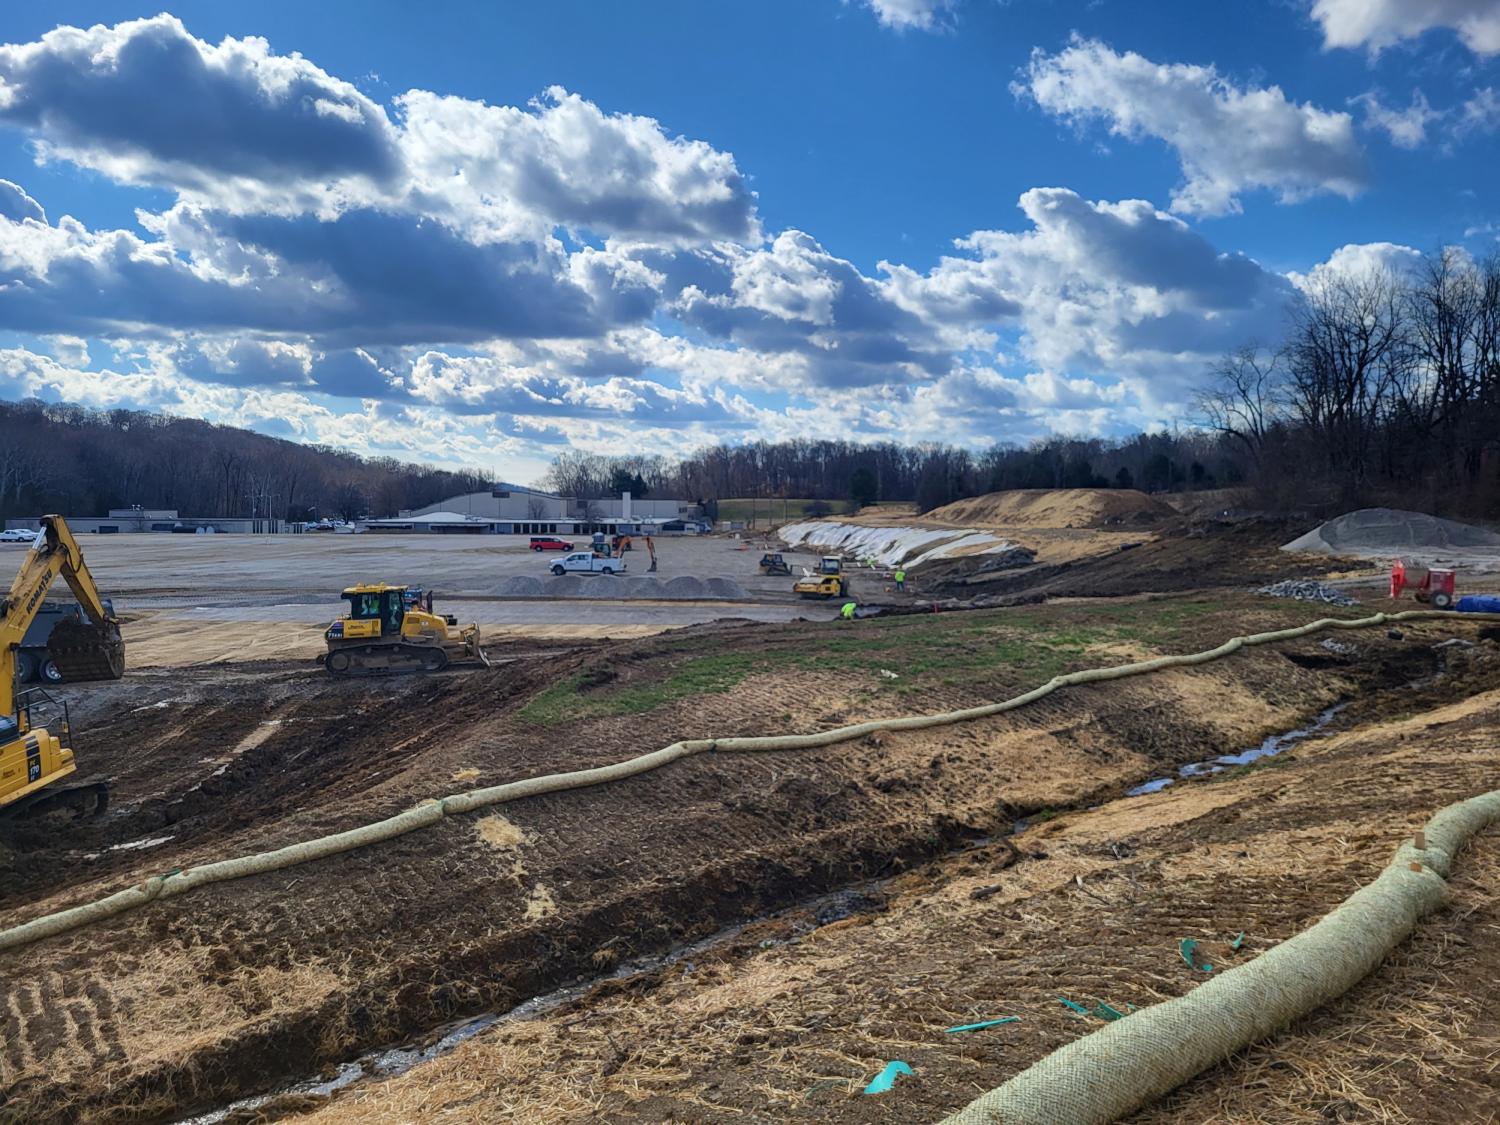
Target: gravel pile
{"points": [[1306, 590], [1011, 558], [602, 587], [1382, 532]]}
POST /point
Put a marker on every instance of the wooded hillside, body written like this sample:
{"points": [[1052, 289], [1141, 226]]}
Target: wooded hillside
{"points": [[63, 458]]}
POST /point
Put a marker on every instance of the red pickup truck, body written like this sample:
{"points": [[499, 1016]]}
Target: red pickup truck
{"points": [[549, 543]]}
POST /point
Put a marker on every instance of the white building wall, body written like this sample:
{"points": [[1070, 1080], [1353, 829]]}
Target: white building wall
{"points": [[516, 506]]}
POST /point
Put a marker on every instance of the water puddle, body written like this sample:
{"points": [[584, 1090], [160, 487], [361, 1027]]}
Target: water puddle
{"points": [[1275, 744]]}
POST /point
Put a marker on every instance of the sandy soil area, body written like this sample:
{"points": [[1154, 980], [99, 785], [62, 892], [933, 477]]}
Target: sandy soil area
{"points": [[187, 599]]}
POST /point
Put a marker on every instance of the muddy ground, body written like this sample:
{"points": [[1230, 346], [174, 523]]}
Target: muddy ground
{"points": [[191, 1002], [789, 1019]]}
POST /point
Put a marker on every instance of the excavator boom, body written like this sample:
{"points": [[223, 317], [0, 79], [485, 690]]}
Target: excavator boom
{"points": [[92, 649]]}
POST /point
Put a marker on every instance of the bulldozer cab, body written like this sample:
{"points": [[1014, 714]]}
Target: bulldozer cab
{"points": [[384, 607]]}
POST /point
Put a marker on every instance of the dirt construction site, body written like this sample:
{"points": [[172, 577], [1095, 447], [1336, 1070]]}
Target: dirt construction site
{"points": [[756, 934]]}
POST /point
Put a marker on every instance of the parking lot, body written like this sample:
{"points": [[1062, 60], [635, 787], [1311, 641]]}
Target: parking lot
{"points": [[193, 598]]}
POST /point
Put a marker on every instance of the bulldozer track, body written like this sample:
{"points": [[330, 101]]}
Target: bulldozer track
{"points": [[355, 663]]}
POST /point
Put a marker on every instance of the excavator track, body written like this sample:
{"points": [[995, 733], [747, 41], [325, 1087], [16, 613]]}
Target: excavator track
{"points": [[89, 800], [83, 651], [353, 661]]}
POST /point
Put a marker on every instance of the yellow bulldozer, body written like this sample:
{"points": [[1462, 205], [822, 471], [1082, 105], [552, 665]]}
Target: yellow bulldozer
{"points": [[36, 737], [394, 629]]}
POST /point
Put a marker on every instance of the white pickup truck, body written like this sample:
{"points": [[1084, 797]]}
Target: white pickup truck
{"points": [[586, 562]]}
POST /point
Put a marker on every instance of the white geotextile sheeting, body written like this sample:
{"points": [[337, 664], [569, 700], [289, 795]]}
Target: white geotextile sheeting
{"points": [[891, 546]]}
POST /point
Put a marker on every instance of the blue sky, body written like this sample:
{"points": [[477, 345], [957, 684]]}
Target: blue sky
{"points": [[513, 228]]}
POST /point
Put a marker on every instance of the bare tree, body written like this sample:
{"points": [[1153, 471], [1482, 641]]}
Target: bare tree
{"points": [[1243, 400], [1348, 349]]}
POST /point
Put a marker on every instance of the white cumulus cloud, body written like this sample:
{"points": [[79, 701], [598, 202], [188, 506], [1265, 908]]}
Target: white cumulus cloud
{"points": [[1407, 127], [1229, 139], [145, 102], [1377, 24], [1109, 288], [1357, 260], [1481, 113], [904, 15], [569, 163]]}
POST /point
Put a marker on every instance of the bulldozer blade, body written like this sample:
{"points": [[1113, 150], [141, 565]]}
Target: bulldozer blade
{"points": [[84, 651]]}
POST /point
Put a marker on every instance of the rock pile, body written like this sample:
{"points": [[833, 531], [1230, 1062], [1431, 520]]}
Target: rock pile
{"points": [[684, 588], [1306, 590], [1011, 558]]}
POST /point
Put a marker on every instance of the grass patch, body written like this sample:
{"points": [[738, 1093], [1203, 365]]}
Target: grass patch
{"points": [[989, 654], [565, 701]]}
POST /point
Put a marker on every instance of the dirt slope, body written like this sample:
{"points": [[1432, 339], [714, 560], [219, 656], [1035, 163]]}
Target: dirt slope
{"points": [[215, 994], [791, 1018], [1056, 508], [1207, 554]]}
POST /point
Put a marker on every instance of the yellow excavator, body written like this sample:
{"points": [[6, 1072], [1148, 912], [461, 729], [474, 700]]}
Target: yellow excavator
{"points": [[36, 740], [394, 629]]}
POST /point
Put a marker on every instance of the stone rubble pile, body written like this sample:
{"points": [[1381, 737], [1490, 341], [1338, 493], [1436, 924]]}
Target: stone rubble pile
{"points": [[1307, 590]]}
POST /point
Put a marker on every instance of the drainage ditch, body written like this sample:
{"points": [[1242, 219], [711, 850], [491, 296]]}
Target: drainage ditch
{"points": [[391, 1061]]}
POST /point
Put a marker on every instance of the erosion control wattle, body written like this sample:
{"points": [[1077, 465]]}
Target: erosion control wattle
{"points": [[1128, 1064], [431, 811]]}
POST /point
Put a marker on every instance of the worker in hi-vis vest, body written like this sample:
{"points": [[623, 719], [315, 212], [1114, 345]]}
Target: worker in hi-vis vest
{"points": [[848, 611], [900, 580]]}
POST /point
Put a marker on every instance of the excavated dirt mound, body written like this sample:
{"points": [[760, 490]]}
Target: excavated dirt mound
{"points": [[1064, 507], [1203, 555], [1390, 531]]}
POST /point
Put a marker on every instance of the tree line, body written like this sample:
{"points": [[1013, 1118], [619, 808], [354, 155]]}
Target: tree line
{"points": [[67, 458], [929, 474], [1385, 387]]}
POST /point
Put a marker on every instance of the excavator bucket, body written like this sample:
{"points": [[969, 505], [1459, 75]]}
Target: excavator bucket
{"points": [[82, 650]]}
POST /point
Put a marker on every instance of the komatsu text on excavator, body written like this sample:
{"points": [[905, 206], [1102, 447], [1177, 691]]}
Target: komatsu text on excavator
{"points": [[36, 740], [393, 629]]}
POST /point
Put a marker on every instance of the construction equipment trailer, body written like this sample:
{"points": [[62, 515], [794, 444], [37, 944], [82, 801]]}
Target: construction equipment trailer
{"points": [[36, 738]]}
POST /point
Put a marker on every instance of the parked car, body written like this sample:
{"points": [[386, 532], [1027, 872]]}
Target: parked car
{"points": [[17, 535], [586, 562], [549, 543]]}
